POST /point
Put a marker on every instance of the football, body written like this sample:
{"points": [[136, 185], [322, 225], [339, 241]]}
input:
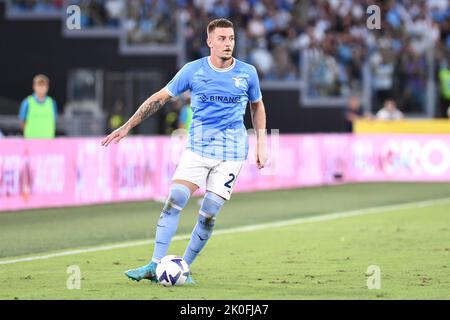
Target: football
{"points": [[172, 271]]}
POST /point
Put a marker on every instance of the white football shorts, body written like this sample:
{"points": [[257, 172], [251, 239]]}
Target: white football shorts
{"points": [[217, 176]]}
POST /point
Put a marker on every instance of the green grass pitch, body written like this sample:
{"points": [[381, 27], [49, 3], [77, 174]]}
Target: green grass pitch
{"points": [[322, 259]]}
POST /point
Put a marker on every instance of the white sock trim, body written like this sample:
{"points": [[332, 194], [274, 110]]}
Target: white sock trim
{"points": [[206, 215], [173, 205]]}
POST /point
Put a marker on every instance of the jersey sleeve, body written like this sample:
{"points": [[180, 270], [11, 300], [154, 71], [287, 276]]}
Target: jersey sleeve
{"points": [[254, 91], [55, 109], [181, 82], [23, 110]]}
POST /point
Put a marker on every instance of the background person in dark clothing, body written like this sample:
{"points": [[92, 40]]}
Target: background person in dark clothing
{"points": [[352, 112]]}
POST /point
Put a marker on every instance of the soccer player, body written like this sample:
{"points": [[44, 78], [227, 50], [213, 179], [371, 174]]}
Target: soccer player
{"points": [[38, 112], [221, 88]]}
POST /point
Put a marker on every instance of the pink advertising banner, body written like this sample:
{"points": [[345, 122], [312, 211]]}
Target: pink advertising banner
{"points": [[78, 171]]}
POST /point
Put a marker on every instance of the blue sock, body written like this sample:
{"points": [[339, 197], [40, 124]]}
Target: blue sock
{"points": [[168, 221], [203, 229]]}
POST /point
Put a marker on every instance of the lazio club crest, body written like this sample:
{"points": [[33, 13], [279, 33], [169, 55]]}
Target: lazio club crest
{"points": [[239, 82]]}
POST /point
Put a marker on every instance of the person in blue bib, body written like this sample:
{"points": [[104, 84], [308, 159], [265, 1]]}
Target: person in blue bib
{"points": [[221, 87], [38, 112]]}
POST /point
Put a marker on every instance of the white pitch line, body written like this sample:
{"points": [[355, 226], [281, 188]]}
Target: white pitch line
{"points": [[255, 227]]}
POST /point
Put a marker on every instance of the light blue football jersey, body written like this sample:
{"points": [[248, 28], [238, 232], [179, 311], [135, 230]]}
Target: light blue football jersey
{"points": [[219, 98]]}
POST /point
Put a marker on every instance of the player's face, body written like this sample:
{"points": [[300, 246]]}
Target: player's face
{"points": [[40, 89], [221, 42]]}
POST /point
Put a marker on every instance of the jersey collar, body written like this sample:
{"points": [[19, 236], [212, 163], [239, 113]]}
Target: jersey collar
{"points": [[37, 99], [221, 69]]}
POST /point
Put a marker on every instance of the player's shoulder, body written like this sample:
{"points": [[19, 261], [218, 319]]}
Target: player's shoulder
{"points": [[195, 64], [245, 67], [26, 100]]}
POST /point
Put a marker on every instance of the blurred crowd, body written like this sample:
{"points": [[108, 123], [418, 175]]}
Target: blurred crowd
{"points": [[150, 21], [36, 5], [334, 40], [267, 32], [103, 13], [271, 34], [338, 44], [398, 53]]}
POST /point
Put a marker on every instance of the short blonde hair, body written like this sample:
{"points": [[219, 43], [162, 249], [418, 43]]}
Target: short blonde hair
{"points": [[219, 23], [41, 79]]}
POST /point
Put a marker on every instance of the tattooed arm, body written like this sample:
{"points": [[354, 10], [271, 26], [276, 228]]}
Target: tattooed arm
{"points": [[149, 107]]}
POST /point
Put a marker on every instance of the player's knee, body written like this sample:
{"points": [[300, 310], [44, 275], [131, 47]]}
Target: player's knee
{"points": [[178, 198], [211, 206], [207, 222]]}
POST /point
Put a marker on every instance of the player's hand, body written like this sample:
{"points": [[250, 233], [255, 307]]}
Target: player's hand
{"points": [[261, 156], [116, 135]]}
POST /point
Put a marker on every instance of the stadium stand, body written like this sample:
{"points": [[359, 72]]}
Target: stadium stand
{"points": [[323, 48]]}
